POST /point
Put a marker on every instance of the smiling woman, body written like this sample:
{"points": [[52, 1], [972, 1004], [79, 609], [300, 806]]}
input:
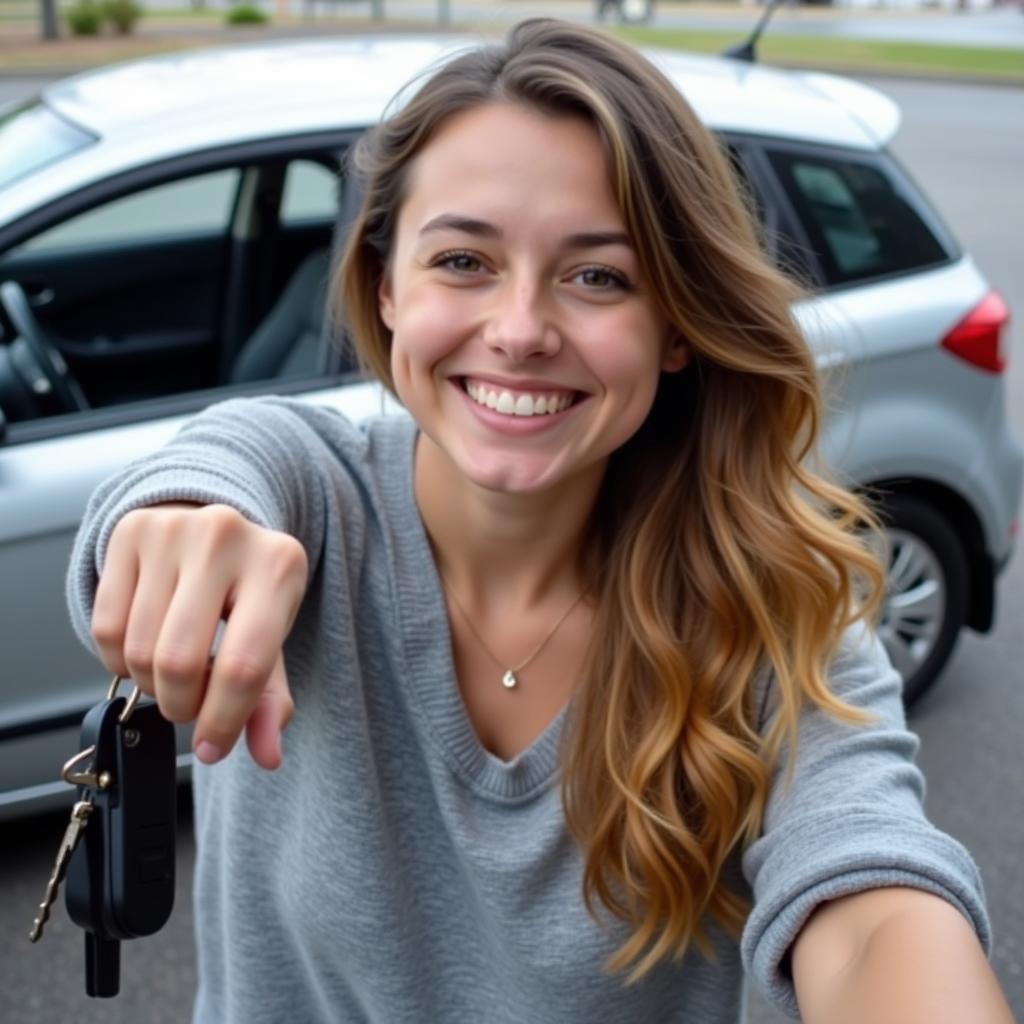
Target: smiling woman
{"points": [[529, 289], [586, 710]]}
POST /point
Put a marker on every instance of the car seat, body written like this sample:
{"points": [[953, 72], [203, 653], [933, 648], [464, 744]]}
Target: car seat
{"points": [[289, 341]]}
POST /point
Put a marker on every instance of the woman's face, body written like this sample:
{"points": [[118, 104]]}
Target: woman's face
{"points": [[525, 344]]}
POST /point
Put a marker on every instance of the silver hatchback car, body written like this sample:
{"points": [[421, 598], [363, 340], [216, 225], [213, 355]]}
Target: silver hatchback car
{"points": [[166, 229]]}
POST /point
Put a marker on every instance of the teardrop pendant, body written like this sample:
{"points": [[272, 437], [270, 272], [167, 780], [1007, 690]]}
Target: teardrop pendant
{"points": [[509, 681]]}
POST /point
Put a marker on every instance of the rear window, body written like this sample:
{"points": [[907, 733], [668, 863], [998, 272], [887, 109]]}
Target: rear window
{"points": [[31, 136], [859, 222], [776, 237]]}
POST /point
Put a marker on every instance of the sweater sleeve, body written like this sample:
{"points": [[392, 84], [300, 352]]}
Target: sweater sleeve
{"points": [[268, 458], [849, 819]]}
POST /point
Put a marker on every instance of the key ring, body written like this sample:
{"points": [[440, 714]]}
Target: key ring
{"points": [[133, 699], [70, 773]]}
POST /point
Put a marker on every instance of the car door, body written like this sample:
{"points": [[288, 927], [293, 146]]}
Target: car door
{"points": [[162, 366], [132, 288]]}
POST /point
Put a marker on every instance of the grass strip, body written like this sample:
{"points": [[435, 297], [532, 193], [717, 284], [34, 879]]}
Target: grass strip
{"points": [[21, 49], [864, 55]]}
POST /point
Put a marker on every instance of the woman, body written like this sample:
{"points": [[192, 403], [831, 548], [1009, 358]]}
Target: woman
{"points": [[579, 655]]}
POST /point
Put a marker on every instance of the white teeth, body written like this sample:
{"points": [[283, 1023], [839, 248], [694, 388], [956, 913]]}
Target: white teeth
{"points": [[517, 405]]}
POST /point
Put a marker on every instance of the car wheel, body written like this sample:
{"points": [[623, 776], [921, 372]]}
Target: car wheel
{"points": [[926, 593]]}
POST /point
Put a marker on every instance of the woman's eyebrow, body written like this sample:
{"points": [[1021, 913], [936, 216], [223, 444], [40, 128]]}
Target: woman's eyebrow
{"points": [[457, 222], [596, 239], [484, 229]]}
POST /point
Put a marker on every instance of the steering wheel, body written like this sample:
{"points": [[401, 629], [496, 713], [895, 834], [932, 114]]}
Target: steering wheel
{"points": [[55, 379]]}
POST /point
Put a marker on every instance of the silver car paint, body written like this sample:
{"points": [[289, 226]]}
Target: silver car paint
{"points": [[900, 406]]}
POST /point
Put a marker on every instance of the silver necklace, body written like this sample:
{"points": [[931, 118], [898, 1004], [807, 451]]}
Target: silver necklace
{"points": [[510, 678]]}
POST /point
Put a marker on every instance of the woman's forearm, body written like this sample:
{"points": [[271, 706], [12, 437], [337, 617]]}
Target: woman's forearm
{"points": [[920, 964]]}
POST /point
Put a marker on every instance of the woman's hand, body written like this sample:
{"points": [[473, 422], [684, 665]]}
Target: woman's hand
{"points": [[172, 572]]}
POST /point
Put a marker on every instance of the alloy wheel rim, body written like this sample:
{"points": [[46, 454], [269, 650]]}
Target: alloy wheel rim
{"points": [[915, 602]]}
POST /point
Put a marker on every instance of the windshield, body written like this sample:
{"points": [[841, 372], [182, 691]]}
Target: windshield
{"points": [[31, 136]]}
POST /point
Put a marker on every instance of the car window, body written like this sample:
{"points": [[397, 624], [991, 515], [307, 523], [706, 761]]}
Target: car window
{"points": [[193, 206], [311, 193], [32, 136], [774, 232], [859, 221], [176, 289], [750, 194]]}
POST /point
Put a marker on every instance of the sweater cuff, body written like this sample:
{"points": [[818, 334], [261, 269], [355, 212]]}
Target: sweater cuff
{"points": [[884, 852]]}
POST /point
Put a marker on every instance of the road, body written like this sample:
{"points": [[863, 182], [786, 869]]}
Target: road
{"points": [[964, 144], [1001, 27]]}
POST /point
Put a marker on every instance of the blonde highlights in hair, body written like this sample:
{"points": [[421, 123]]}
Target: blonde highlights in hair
{"points": [[720, 558]]}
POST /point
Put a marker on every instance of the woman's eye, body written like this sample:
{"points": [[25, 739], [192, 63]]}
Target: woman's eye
{"points": [[602, 278], [460, 262]]}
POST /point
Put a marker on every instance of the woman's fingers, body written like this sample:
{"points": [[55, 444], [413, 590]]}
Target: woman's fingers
{"points": [[171, 573], [154, 591], [272, 713], [145, 537], [114, 597], [181, 660], [250, 651]]}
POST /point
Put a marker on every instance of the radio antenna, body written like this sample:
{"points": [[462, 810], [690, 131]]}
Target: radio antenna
{"points": [[746, 51]]}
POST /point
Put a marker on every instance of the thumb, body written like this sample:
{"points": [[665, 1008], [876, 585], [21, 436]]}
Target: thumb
{"points": [[269, 718]]}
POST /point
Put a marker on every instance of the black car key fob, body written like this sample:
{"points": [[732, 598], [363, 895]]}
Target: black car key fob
{"points": [[141, 827], [120, 878]]}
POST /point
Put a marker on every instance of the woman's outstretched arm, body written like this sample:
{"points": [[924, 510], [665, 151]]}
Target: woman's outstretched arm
{"points": [[846, 851], [895, 955]]}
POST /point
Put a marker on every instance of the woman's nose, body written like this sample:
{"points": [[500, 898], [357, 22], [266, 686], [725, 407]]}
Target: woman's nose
{"points": [[519, 324]]}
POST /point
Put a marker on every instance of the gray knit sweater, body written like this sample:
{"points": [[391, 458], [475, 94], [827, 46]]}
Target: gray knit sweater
{"points": [[395, 872]]}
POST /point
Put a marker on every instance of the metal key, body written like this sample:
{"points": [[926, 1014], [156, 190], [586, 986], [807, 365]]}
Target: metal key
{"points": [[79, 819]]}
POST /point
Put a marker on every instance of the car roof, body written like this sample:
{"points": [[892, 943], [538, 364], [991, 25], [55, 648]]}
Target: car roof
{"points": [[146, 112], [237, 93]]}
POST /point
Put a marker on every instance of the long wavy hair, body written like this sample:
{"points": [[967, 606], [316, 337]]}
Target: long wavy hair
{"points": [[722, 558]]}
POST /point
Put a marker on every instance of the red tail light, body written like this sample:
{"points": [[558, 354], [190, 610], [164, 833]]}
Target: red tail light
{"points": [[978, 338]]}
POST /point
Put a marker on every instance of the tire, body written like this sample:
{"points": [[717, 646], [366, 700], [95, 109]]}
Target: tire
{"points": [[926, 595]]}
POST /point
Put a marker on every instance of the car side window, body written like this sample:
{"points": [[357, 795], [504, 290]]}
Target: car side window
{"points": [[774, 231], [311, 193], [861, 224], [214, 281], [197, 205]]}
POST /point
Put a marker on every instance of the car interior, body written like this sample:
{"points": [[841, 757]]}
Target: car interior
{"points": [[214, 279]]}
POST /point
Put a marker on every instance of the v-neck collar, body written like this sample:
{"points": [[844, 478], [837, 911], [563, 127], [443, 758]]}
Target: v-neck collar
{"points": [[426, 641]]}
